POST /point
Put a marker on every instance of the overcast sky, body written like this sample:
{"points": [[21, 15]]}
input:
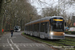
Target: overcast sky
{"points": [[48, 3]]}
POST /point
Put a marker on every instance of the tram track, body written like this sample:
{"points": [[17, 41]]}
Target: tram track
{"points": [[67, 42], [62, 42]]}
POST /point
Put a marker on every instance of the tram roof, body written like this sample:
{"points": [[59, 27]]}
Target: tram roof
{"points": [[45, 18]]}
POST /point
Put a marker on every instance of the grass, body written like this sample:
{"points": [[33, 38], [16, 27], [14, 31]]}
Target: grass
{"points": [[41, 40], [67, 41]]}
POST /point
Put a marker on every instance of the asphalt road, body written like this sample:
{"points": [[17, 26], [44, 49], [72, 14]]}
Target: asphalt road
{"points": [[18, 42]]}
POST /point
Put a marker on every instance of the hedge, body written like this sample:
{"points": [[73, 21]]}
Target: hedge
{"points": [[70, 32]]}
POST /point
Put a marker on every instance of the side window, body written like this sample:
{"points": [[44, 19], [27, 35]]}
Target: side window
{"points": [[46, 27], [36, 27], [25, 28], [28, 27], [42, 27], [33, 27]]}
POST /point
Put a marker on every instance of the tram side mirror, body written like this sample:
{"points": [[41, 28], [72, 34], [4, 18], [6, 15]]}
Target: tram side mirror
{"points": [[65, 23]]}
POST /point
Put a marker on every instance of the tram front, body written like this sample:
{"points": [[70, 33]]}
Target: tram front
{"points": [[57, 28]]}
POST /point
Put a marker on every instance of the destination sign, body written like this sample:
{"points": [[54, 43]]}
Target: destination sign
{"points": [[57, 19]]}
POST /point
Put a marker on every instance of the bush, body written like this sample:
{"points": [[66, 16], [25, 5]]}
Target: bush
{"points": [[70, 32]]}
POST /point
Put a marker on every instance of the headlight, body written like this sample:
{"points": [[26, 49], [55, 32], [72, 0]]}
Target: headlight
{"points": [[63, 33], [51, 33]]}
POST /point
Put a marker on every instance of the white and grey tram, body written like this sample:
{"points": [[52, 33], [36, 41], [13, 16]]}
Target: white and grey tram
{"points": [[48, 27], [17, 28]]}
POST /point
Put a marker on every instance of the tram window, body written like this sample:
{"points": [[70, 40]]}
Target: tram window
{"points": [[25, 27], [36, 27], [28, 28], [42, 27], [32, 27], [46, 27]]}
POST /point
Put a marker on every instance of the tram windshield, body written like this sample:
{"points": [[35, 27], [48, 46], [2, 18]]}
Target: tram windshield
{"points": [[16, 27], [57, 25]]}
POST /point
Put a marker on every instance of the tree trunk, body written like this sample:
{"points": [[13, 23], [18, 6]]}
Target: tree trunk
{"points": [[1, 16]]}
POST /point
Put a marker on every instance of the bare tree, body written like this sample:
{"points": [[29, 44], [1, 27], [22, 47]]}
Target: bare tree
{"points": [[17, 13]]}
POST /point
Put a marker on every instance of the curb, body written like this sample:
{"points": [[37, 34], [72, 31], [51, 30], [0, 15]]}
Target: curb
{"points": [[51, 46]]}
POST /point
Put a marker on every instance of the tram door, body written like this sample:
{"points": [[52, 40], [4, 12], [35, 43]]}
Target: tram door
{"points": [[46, 29]]}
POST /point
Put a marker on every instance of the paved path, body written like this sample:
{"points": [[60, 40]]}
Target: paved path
{"points": [[69, 35], [18, 42]]}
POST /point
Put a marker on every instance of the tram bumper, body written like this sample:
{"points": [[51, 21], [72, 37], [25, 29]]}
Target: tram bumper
{"points": [[56, 37]]}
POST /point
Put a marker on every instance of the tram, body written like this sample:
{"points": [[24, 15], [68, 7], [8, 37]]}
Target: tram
{"points": [[48, 27], [17, 28]]}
